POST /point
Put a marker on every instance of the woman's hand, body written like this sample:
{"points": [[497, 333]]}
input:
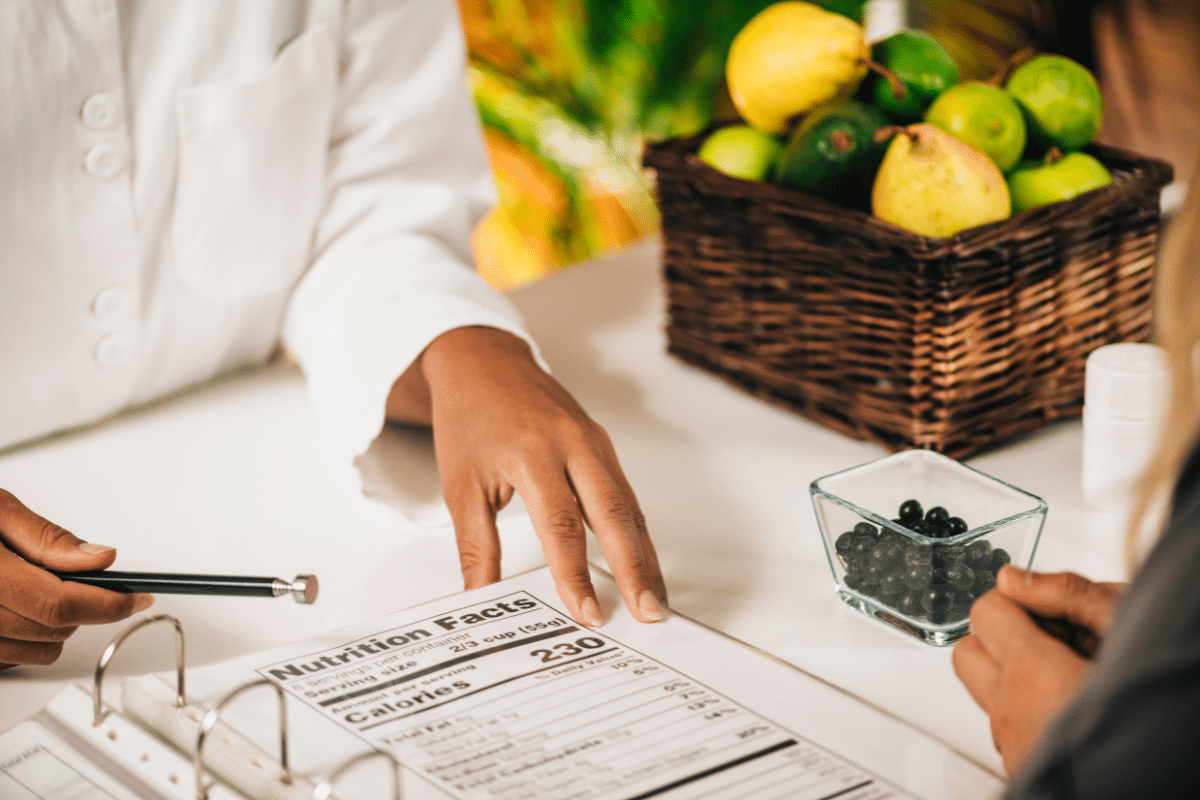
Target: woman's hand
{"points": [[501, 424], [37, 610], [1017, 672]]}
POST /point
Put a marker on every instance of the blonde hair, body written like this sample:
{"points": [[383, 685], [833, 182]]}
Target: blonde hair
{"points": [[1177, 330]]}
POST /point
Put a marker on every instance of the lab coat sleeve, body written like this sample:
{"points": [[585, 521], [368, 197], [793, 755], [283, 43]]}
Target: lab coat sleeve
{"points": [[408, 179]]}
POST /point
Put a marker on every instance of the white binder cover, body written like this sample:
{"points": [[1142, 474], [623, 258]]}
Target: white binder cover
{"points": [[497, 693]]}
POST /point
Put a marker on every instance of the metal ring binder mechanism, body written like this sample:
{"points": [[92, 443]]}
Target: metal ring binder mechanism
{"points": [[210, 721], [324, 790], [106, 656], [235, 761]]}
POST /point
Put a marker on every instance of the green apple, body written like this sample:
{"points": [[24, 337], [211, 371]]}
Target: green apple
{"points": [[1055, 178], [741, 151], [1061, 100], [983, 116]]}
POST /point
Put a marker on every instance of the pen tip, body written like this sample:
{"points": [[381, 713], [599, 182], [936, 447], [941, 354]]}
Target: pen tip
{"points": [[305, 588]]}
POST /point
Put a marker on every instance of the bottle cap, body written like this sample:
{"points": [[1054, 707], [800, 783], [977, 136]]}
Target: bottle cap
{"points": [[1127, 381]]}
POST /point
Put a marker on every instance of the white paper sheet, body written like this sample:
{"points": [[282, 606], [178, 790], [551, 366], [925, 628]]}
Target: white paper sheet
{"points": [[35, 764], [497, 693]]}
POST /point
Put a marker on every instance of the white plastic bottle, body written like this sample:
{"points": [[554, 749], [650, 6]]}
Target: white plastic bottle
{"points": [[1124, 397]]}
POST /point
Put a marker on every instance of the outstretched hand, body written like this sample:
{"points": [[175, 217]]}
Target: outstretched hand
{"points": [[37, 610], [1015, 670], [502, 425]]}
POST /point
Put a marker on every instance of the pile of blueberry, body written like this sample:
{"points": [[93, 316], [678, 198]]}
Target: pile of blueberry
{"points": [[935, 582]]}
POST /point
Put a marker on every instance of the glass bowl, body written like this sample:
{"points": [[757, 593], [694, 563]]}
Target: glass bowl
{"points": [[921, 578]]}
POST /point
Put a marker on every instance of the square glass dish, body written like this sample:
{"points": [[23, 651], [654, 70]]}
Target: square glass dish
{"points": [[919, 566]]}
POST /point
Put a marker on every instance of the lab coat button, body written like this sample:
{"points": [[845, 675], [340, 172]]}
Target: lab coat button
{"points": [[103, 161], [113, 304], [114, 350], [99, 112]]}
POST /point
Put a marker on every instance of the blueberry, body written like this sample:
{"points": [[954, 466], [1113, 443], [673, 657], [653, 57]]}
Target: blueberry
{"points": [[891, 536], [956, 525], [984, 582], [962, 604], [937, 514], [909, 604], [861, 545], [936, 530], [918, 577], [960, 576], [945, 555], [872, 574], [979, 554], [937, 600], [892, 583], [887, 553], [1000, 557], [852, 582], [844, 542], [918, 555], [918, 526], [854, 566], [939, 577], [866, 529], [910, 511]]}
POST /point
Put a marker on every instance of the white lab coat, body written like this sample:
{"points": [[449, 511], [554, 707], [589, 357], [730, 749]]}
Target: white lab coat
{"points": [[184, 181]]}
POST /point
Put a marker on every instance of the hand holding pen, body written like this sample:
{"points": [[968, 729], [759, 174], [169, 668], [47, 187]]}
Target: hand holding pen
{"points": [[37, 610], [51, 582], [1032, 641]]}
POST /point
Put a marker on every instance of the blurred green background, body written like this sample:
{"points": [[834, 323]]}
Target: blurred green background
{"points": [[569, 92]]}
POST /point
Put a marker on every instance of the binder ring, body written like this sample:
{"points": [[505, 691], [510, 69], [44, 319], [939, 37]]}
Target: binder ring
{"points": [[324, 789], [106, 656], [210, 721]]}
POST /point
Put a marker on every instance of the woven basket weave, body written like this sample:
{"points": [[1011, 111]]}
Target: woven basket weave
{"points": [[947, 344]]}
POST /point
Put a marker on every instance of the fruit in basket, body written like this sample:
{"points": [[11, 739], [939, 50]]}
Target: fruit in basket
{"points": [[833, 154], [923, 66], [1056, 177], [934, 185], [985, 117], [1061, 102], [790, 58], [741, 151]]}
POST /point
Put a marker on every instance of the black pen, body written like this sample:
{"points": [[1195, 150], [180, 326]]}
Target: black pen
{"points": [[1082, 640], [303, 589]]}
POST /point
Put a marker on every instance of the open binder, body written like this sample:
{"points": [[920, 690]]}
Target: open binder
{"points": [[82, 748], [492, 693]]}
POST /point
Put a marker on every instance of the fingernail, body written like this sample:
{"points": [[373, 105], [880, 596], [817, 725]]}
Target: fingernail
{"points": [[590, 612], [649, 606], [143, 602], [88, 547]]}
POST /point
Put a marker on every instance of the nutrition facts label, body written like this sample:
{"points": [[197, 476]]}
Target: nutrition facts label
{"points": [[510, 699]]}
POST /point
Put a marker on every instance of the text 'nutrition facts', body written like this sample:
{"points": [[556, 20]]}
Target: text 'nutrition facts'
{"points": [[509, 699]]}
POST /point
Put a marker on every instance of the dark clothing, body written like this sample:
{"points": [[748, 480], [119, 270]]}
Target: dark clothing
{"points": [[1133, 731]]}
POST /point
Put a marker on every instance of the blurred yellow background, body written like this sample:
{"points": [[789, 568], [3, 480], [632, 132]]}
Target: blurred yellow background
{"points": [[568, 92]]}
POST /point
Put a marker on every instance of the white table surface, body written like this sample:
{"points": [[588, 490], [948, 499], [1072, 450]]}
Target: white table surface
{"points": [[235, 478]]}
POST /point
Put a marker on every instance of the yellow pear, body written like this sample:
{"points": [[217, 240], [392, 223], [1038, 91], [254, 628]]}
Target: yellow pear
{"points": [[792, 57], [934, 185]]}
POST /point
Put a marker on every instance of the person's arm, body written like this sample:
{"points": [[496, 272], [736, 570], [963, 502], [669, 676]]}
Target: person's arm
{"points": [[37, 610], [1017, 672], [391, 318], [502, 425]]}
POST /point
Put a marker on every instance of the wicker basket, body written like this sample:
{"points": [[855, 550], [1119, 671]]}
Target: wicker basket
{"points": [[947, 344]]}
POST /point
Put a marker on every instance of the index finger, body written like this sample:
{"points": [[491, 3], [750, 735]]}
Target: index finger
{"points": [[36, 595], [1002, 627]]}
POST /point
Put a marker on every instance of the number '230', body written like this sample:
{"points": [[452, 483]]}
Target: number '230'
{"points": [[568, 648]]}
